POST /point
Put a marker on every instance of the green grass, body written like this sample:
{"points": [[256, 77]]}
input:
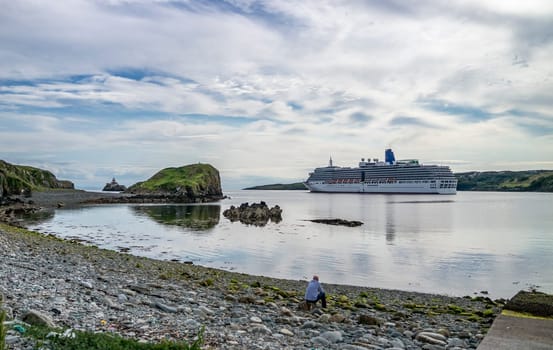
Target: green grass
{"points": [[170, 179], [15, 178], [100, 341], [530, 180], [2, 327]]}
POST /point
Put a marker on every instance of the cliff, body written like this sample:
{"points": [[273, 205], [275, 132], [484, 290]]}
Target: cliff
{"points": [[187, 184], [15, 179]]}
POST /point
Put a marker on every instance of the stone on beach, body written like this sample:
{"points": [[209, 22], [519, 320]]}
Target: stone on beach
{"points": [[37, 318], [431, 338]]}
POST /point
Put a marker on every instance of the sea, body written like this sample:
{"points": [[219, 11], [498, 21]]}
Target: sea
{"points": [[471, 243]]}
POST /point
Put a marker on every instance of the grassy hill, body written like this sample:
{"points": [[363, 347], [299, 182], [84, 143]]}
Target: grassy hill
{"points": [[522, 181], [194, 181], [292, 186], [16, 178]]}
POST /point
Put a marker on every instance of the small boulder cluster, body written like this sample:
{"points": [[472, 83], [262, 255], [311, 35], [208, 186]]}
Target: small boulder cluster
{"points": [[114, 186], [257, 214]]}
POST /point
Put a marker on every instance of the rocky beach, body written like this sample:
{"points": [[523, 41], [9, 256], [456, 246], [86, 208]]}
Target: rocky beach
{"points": [[85, 288]]}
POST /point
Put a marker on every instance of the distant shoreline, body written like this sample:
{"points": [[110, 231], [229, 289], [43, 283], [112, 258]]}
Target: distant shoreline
{"points": [[485, 181]]}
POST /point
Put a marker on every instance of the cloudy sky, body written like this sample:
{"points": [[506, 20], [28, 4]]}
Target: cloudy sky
{"points": [[267, 90]]}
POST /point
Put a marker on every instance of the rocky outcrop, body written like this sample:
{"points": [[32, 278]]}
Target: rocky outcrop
{"points": [[13, 209], [340, 222], [532, 302], [255, 214], [187, 184], [114, 186], [19, 179]]}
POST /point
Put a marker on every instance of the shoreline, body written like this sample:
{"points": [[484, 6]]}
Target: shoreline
{"points": [[87, 288]]}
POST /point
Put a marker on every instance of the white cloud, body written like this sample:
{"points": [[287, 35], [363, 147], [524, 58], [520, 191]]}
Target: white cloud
{"points": [[275, 83]]}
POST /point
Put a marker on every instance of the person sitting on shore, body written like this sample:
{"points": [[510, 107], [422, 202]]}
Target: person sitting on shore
{"points": [[315, 292]]}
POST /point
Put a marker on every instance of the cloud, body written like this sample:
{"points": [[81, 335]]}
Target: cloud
{"points": [[410, 121], [469, 113], [272, 87], [360, 118]]}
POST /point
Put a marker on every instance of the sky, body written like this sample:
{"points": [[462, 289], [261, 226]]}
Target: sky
{"points": [[265, 91]]}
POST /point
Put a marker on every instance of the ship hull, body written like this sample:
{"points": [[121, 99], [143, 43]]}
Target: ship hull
{"points": [[410, 188]]}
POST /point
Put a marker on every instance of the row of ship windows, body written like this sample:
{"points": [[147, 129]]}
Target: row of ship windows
{"points": [[388, 171], [380, 173], [401, 178], [443, 184]]}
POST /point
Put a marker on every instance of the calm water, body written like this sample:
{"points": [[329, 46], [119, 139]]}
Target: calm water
{"points": [[457, 245]]}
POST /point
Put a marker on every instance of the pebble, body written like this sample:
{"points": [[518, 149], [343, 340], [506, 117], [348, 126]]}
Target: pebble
{"points": [[286, 332], [108, 292], [166, 308], [332, 336], [432, 338], [255, 319]]}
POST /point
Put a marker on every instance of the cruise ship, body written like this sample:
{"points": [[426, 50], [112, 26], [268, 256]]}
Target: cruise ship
{"points": [[390, 176]]}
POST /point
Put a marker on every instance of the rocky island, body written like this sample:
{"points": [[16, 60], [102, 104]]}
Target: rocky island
{"points": [[194, 183], [114, 186], [187, 184]]}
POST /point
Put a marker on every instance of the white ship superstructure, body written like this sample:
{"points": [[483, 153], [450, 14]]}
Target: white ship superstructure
{"points": [[390, 176]]}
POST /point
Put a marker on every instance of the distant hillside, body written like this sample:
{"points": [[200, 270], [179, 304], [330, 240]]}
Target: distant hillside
{"points": [[17, 178], [293, 186], [188, 183], [522, 181], [516, 181]]}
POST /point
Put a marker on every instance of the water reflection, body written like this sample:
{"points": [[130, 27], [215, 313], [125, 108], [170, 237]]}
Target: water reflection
{"points": [[37, 217], [196, 217], [390, 223], [499, 242]]}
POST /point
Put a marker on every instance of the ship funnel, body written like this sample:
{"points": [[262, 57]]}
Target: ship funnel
{"points": [[389, 156]]}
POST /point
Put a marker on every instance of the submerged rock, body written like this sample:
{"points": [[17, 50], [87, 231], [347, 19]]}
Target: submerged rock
{"points": [[340, 222]]}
